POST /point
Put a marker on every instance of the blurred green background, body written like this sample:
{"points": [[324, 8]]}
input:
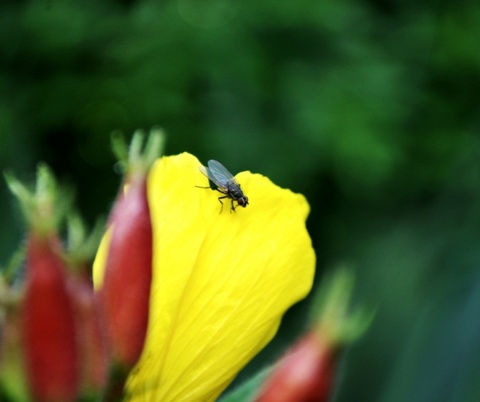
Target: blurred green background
{"points": [[369, 108]]}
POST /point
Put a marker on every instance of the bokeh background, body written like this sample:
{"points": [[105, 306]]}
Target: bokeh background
{"points": [[370, 108]]}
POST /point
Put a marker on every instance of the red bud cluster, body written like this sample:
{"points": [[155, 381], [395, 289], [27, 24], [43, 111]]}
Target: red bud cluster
{"points": [[68, 345], [75, 343]]}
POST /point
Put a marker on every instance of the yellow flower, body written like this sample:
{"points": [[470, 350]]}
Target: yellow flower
{"points": [[221, 281]]}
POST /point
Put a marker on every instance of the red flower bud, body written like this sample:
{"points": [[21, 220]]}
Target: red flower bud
{"points": [[92, 342], [305, 374], [125, 294], [48, 324]]}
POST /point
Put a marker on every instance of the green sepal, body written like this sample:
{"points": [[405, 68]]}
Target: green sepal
{"points": [[46, 205], [82, 246], [332, 315], [139, 156], [12, 267]]}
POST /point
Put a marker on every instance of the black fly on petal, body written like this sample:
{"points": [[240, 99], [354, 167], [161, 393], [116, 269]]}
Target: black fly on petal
{"points": [[223, 181]]}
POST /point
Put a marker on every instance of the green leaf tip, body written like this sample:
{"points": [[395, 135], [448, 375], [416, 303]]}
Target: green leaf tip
{"points": [[332, 315]]}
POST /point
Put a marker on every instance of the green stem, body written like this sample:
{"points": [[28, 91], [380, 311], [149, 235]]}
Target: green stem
{"points": [[114, 392]]}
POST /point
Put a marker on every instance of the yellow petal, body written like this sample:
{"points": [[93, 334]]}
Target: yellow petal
{"points": [[101, 259], [221, 282]]}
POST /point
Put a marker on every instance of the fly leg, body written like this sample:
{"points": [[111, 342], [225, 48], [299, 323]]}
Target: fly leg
{"points": [[220, 200]]}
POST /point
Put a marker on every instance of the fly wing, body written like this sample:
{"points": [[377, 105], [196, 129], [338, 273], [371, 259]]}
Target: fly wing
{"points": [[204, 170], [220, 173], [214, 183]]}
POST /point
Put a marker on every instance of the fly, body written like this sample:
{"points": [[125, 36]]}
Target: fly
{"points": [[223, 181]]}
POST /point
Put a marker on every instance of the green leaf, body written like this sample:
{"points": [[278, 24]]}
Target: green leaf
{"points": [[248, 390]]}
